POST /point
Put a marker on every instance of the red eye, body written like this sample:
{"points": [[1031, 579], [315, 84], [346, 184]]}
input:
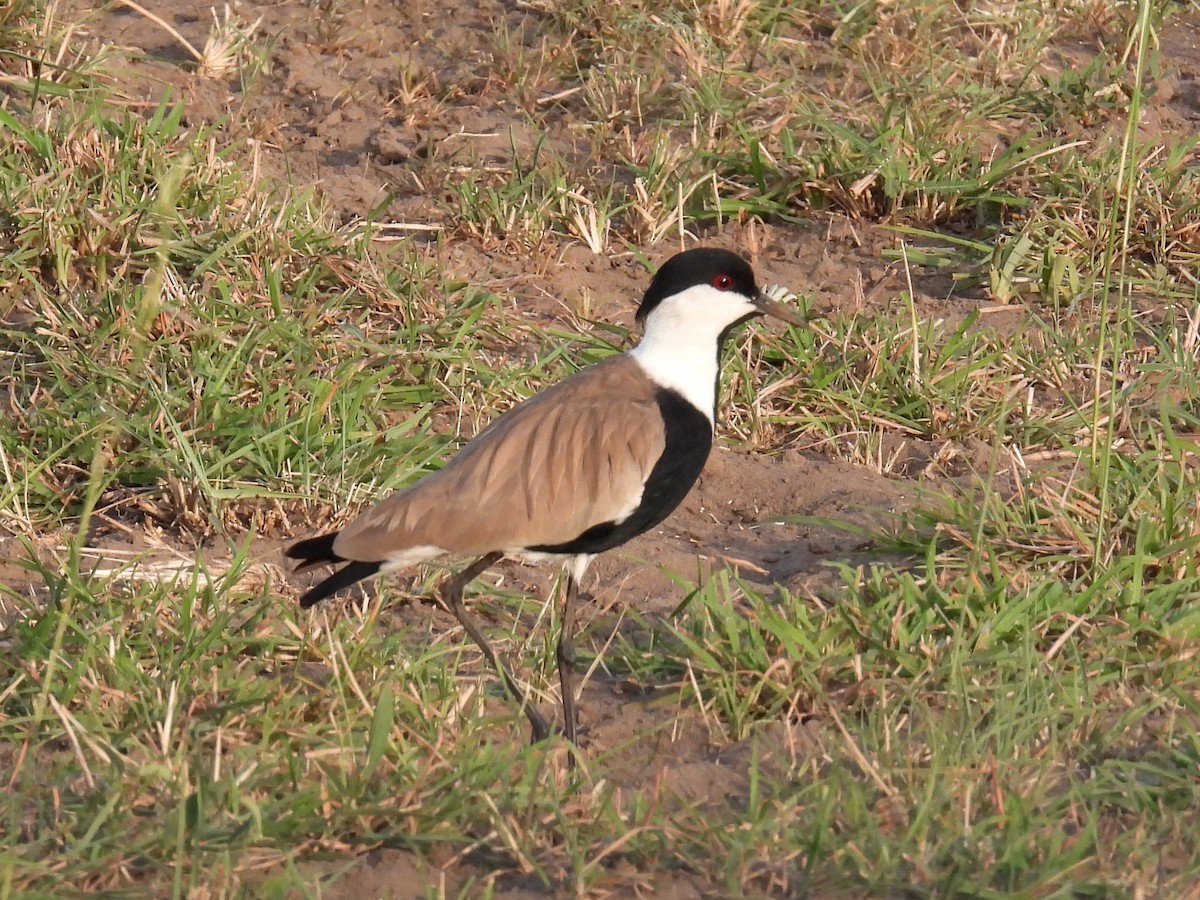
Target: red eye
{"points": [[723, 282]]}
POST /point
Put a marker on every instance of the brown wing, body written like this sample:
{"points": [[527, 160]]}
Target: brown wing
{"points": [[565, 460]]}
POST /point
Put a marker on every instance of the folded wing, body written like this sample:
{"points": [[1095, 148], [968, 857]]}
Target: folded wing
{"points": [[565, 461]]}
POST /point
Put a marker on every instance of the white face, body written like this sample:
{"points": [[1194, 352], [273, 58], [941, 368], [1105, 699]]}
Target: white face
{"points": [[699, 313], [680, 346]]}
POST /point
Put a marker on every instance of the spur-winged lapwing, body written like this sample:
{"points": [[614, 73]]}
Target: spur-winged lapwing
{"points": [[573, 471]]}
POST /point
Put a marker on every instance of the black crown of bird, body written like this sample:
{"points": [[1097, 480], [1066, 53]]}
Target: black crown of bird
{"points": [[575, 470]]}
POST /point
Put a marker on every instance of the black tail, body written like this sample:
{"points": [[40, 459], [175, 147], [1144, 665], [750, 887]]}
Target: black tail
{"points": [[343, 577], [313, 551], [318, 550]]}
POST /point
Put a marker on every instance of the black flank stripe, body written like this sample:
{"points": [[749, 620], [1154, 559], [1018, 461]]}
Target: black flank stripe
{"points": [[688, 442]]}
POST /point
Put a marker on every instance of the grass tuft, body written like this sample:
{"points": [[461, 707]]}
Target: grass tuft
{"points": [[993, 694]]}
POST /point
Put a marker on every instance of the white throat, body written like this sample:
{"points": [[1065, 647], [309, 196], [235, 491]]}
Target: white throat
{"points": [[679, 350]]}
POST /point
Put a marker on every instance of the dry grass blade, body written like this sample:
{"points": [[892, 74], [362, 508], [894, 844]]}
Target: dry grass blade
{"points": [[167, 27]]}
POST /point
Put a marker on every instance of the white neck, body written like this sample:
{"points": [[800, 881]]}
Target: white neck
{"points": [[679, 349], [688, 369]]}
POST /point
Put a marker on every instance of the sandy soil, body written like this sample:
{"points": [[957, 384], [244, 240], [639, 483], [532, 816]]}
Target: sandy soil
{"points": [[332, 110]]}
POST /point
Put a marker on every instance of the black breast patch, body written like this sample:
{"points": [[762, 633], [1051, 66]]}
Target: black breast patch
{"points": [[688, 442]]}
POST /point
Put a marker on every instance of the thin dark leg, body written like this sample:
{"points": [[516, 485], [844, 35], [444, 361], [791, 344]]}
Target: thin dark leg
{"points": [[451, 592], [566, 659]]}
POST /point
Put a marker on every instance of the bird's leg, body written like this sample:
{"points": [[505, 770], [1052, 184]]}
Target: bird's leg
{"points": [[451, 594], [565, 654]]}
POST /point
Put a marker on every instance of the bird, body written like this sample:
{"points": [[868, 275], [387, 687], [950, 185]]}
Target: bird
{"points": [[573, 471]]}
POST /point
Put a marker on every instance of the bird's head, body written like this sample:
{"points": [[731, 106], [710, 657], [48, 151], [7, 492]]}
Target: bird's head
{"points": [[710, 290]]}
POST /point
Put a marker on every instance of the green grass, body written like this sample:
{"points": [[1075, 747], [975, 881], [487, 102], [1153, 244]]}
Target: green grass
{"points": [[1003, 686], [1015, 714]]}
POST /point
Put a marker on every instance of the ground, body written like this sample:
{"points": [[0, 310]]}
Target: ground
{"points": [[371, 107]]}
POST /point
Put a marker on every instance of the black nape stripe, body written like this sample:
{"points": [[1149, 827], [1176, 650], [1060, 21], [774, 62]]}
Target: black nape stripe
{"points": [[688, 442]]}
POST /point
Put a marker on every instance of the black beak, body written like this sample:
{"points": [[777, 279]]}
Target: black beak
{"points": [[769, 306]]}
